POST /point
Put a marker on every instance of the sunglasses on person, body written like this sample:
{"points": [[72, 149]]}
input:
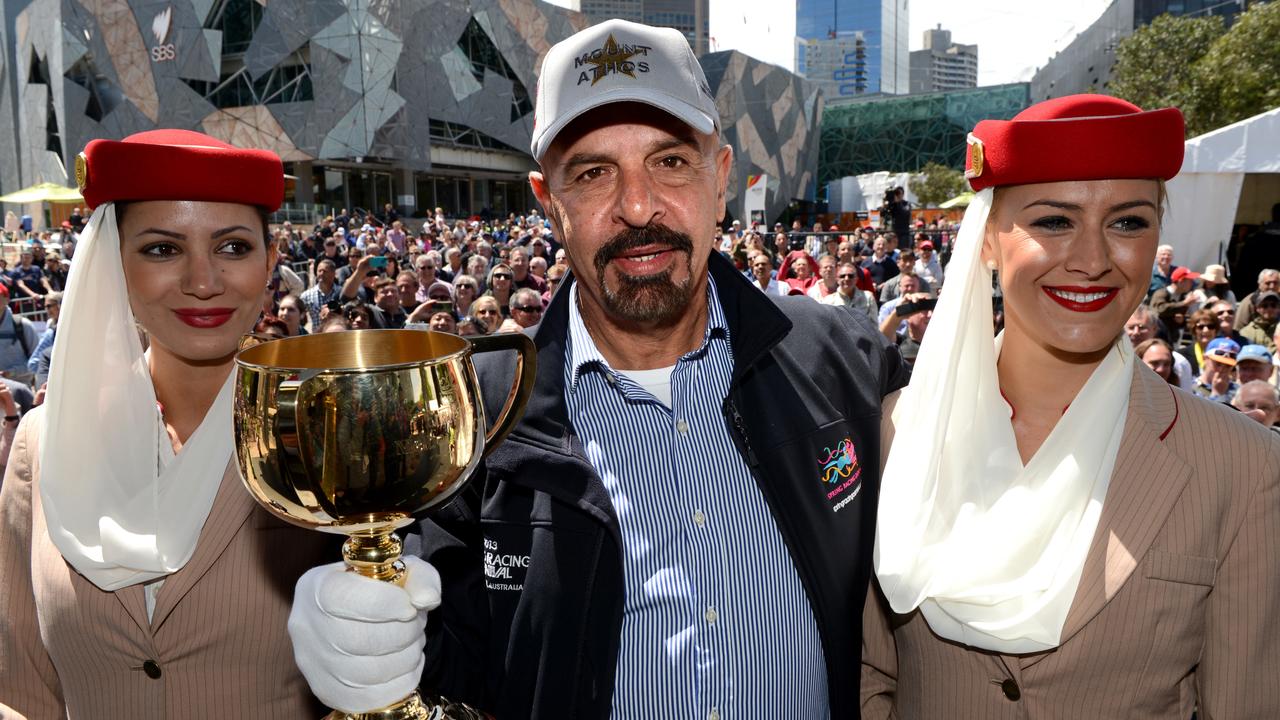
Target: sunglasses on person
{"points": [[502, 276], [426, 267], [529, 308], [486, 312], [847, 276], [1206, 326], [466, 286]]}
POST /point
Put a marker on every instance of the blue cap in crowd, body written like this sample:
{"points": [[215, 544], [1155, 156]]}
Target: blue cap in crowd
{"points": [[1223, 350], [1257, 353]]}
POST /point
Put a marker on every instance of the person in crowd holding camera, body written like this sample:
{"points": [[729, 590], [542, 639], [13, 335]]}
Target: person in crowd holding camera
{"points": [[139, 579], [1053, 538]]}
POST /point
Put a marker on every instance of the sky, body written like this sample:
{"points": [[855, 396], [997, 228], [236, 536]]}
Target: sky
{"points": [[1014, 37]]}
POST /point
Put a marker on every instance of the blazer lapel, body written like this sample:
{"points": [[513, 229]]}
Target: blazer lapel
{"points": [[1147, 479], [231, 508]]}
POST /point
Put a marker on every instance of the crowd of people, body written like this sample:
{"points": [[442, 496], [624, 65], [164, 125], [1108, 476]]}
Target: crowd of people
{"points": [[1196, 335], [689, 518]]}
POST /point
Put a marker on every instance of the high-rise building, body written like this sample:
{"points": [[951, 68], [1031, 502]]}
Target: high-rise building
{"points": [[1085, 65], [942, 65], [600, 10], [838, 64], [683, 15], [831, 33]]}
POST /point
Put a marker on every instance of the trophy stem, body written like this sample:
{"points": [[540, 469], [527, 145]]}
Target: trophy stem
{"points": [[376, 556]]}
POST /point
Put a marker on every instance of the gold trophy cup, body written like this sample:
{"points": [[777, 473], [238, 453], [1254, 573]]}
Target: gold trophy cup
{"points": [[357, 432]]}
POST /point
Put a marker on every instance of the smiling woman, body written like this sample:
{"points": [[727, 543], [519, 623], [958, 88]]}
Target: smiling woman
{"points": [[130, 551], [1055, 545]]}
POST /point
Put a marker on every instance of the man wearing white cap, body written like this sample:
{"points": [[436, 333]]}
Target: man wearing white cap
{"points": [[680, 525]]}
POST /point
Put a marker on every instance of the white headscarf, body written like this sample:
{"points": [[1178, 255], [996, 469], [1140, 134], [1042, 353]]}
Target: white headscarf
{"points": [[116, 510], [989, 550]]}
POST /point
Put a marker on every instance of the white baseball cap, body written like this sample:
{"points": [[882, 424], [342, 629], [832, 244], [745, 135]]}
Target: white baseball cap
{"points": [[620, 61]]}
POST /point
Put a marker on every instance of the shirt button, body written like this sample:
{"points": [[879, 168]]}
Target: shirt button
{"points": [[713, 715], [151, 669], [682, 427], [711, 615], [699, 519], [1010, 689], [610, 379]]}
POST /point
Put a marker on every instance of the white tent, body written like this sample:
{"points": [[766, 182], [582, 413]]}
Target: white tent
{"points": [[1229, 176]]}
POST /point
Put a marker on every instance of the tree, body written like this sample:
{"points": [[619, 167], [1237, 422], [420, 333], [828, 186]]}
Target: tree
{"points": [[1155, 66], [1240, 75], [936, 184], [1215, 76]]}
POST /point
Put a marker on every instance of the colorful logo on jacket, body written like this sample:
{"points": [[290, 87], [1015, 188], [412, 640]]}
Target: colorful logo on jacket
{"points": [[841, 474]]}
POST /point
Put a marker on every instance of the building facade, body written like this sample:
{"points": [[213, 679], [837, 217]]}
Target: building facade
{"points": [[829, 32], [771, 119], [902, 134], [364, 107], [941, 65], [687, 16], [1085, 65]]}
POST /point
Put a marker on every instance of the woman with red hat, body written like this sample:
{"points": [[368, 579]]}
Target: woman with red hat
{"points": [[1061, 533], [140, 579]]}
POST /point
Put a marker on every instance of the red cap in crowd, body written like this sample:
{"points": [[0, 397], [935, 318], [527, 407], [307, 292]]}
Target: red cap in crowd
{"points": [[1184, 274], [178, 165], [1077, 137]]}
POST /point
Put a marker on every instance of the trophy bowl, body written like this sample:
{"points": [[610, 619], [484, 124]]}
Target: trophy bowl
{"points": [[358, 432]]}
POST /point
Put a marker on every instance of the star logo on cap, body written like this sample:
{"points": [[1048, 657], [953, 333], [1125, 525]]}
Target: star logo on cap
{"points": [[612, 57]]}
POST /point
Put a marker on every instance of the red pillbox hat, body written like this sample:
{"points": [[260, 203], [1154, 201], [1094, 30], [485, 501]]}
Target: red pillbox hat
{"points": [[178, 165], [1077, 137]]}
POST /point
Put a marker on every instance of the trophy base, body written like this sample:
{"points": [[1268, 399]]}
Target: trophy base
{"points": [[413, 708], [410, 708]]}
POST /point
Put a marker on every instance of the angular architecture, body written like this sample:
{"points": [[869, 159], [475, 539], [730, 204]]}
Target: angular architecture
{"points": [[771, 118], [416, 103]]}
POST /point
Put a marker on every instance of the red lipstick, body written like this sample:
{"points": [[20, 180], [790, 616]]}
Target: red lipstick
{"points": [[1081, 299], [204, 317]]}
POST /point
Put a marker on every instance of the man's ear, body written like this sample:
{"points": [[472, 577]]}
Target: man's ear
{"points": [[724, 165]]}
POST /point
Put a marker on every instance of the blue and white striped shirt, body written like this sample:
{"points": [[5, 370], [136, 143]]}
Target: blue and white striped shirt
{"points": [[716, 623]]}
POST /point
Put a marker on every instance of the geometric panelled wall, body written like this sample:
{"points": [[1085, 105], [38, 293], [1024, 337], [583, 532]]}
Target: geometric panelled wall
{"points": [[771, 118], [334, 80]]}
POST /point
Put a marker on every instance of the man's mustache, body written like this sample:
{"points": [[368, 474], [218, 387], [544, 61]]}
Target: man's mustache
{"points": [[633, 238]]}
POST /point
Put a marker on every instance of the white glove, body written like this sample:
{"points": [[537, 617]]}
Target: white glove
{"points": [[359, 641]]}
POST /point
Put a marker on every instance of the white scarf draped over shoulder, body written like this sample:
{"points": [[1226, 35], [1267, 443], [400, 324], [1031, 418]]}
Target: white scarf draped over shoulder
{"points": [[990, 550], [120, 506]]}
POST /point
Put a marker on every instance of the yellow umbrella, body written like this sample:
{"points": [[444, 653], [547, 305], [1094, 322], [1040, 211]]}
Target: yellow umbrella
{"points": [[44, 192], [961, 200]]}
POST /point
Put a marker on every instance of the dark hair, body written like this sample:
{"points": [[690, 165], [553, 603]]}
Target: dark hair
{"points": [[269, 322], [1146, 345]]}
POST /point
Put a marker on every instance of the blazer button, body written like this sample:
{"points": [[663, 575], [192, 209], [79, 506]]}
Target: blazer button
{"points": [[151, 669], [1009, 687]]}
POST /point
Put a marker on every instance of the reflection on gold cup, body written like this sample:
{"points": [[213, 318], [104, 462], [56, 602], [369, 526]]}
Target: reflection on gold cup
{"points": [[357, 432]]}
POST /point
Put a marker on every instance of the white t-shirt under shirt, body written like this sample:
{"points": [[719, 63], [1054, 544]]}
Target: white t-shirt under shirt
{"points": [[657, 382]]}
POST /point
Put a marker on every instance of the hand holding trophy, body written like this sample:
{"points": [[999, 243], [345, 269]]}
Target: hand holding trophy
{"points": [[356, 433]]}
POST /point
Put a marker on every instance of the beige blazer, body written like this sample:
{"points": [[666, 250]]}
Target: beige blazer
{"points": [[217, 645], [1178, 608]]}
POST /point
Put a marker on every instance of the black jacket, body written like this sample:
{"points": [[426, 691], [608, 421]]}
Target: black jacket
{"points": [[530, 553]]}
